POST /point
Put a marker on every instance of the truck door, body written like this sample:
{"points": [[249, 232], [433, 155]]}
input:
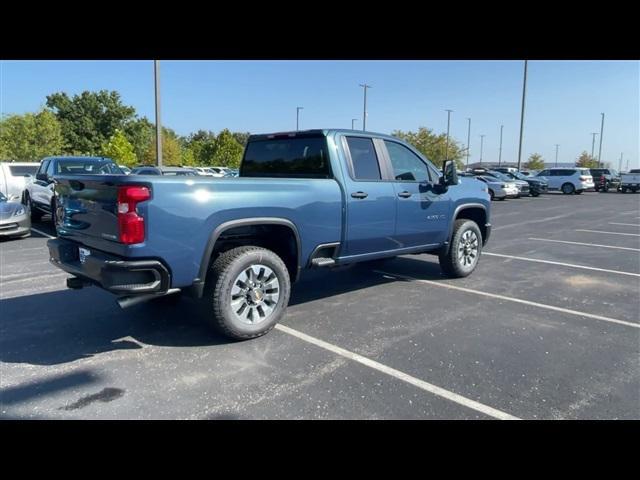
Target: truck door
{"points": [[371, 203], [423, 210]]}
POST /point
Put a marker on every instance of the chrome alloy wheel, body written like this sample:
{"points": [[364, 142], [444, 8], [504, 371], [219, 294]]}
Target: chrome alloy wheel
{"points": [[468, 248], [254, 294]]}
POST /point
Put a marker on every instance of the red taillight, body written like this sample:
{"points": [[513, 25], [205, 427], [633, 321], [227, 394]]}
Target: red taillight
{"points": [[130, 224]]}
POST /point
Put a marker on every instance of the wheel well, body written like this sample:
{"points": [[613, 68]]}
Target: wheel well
{"points": [[280, 239], [478, 215]]}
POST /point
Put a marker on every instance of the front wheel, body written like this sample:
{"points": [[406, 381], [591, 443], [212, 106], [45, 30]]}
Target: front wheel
{"points": [[246, 292], [464, 251], [36, 215]]}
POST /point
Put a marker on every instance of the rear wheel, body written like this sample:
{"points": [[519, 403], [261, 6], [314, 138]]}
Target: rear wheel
{"points": [[246, 292], [568, 188], [464, 251], [36, 215]]}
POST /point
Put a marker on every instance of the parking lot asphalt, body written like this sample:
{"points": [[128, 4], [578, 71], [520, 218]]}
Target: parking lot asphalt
{"points": [[547, 327]]}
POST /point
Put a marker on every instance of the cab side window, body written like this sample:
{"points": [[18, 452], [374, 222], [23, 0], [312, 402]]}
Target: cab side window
{"points": [[43, 166], [50, 168], [407, 166], [363, 158]]}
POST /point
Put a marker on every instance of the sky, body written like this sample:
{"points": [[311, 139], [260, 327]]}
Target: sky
{"points": [[564, 99]]}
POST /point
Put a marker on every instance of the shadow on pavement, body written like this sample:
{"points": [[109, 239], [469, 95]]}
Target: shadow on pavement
{"points": [[30, 391], [62, 326]]}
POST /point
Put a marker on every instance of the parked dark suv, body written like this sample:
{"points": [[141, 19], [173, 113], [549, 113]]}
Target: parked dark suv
{"points": [[605, 179]]}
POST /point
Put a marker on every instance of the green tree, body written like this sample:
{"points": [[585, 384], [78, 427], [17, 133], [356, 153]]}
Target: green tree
{"points": [[434, 146], [228, 152], [535, 162], [30, 137], [203, 145], [171, 151], [88, 120], [586, 160], [188, 158], [120, 150], [241, 137], [141, 133]]}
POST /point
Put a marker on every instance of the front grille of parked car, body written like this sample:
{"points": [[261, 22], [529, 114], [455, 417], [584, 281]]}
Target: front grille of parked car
{"points": [[8, 226]]}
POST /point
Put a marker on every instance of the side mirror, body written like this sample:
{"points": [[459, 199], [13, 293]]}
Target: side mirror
{"points": [[43, 177], [449, 173]]}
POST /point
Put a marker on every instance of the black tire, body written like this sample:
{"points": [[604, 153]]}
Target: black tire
{"points": [[623, 189], [450, 263], [36, 215], [491, 195], [502, 199], [535, 194], [605, 189], [579, 192], [216, 299], [568, 189]]}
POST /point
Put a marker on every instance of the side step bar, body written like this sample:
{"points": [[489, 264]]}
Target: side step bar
{"points": [[130, 301], [320, 262]]}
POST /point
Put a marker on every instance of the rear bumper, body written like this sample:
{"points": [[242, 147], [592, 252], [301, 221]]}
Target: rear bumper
{"points": [[112, 273]]}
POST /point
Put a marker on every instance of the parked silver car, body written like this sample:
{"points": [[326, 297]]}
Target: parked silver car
{"points": [[499, 189], [15, 218]]}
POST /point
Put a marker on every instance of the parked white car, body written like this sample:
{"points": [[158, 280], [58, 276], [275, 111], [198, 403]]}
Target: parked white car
{"points": [[630, 181], [568, 180], [14, 177], [203, 171]]}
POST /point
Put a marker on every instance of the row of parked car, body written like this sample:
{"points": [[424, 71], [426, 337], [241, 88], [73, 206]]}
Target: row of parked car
{"points": [[26, 188], [507, 182]]}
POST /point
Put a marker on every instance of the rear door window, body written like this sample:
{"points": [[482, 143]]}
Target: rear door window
{"points": [[294, 157], [363, 158]]}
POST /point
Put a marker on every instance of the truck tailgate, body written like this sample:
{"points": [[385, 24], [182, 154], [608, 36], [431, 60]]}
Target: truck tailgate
{"points": [[86, 210]]}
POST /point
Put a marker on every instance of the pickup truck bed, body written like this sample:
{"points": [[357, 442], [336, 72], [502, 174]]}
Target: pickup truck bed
{"points": [[303, 200]]}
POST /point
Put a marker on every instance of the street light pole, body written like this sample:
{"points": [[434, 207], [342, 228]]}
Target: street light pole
{"points": [[364, 116], [468, 140], [298, 117], [156, 74], [500, 151], [353, 124], [446, 152], [600, 148], [620, 162], [593, 142], [524, 96], [557, 145], [481, 145]]}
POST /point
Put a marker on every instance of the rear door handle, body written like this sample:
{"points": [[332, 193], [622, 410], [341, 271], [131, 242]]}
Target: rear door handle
{"points": [[359, 195], [404, 194]]}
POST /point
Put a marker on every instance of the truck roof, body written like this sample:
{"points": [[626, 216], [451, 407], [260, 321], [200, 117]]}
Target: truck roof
{"points": [[317, 132]]}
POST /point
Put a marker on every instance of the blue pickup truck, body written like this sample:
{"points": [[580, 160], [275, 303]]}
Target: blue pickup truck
{"points": [[303, 200]]}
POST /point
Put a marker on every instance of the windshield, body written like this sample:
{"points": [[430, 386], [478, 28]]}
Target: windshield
{"points": [[2, 197], [519, 176], [78, 166], [499, 175]]}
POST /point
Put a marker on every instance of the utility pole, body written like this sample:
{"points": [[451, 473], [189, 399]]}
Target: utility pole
{"points": [[620, 162], [627, 169], [524, 96], [593, 142], [156, 73], [298, 117], [600, 148], [468, 140], [557, 145], [446, 152], [364, 116], [353, 123], [500, 151], [481, 145]]}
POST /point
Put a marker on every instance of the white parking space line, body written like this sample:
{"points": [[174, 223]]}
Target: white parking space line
{"points": [[626, 224], [561, 264], [42, 233], [586, 244], [511, 225], [610, 233], [428, 387], [512, 299]]}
